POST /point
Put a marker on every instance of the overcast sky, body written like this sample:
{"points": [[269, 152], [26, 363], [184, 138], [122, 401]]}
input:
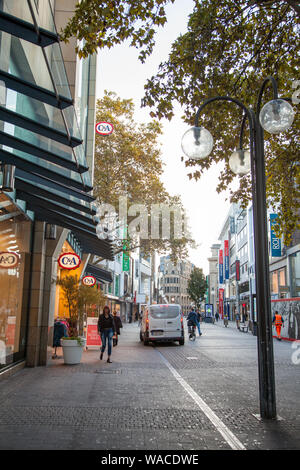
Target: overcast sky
{"points": [[121, 71]]}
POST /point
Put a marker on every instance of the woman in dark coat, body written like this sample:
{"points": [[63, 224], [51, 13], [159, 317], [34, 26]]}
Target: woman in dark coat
{"points": [[106, 329], [118, 325], [60, 330]]}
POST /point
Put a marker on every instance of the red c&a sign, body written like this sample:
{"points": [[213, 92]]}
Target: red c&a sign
{"points": [[9, 259], [89, 280], [69, 261], [104, 128]]}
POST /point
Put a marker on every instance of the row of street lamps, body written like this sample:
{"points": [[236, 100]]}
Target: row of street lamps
{"points": [[197, 143]]}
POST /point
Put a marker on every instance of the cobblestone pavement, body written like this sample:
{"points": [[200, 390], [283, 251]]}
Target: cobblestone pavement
{"points": [[138, 403]]}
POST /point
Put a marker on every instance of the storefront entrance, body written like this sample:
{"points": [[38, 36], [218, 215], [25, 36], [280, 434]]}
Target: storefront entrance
{"points": [[15, 253]]}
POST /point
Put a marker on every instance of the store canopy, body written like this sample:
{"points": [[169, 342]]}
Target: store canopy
{"points": [[99, 273], [92, 244]]}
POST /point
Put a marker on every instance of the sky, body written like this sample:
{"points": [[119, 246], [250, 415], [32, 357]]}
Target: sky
{"points": [[119, 70]]}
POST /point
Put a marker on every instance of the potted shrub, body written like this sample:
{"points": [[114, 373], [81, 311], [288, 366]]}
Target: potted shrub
{"points": [[73, 344], [77, 299]]}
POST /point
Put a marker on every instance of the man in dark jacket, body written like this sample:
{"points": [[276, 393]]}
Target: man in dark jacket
{"points": [[59, 331], [193, 320], [106, 329], [118, 325]]}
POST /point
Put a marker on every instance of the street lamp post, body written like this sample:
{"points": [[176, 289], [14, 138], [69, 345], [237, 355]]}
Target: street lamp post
{"points": [[197, 143]]}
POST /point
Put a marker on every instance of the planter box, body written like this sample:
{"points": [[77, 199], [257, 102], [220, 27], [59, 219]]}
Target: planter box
{"points": [[72, 350]]}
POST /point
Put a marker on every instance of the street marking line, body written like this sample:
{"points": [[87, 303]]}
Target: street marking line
{"points": [[229, 437]]}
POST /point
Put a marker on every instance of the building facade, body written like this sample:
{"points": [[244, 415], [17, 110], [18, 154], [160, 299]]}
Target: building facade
{"points": [[174, 282], [213, 278], [236, 268], [47, 114]]}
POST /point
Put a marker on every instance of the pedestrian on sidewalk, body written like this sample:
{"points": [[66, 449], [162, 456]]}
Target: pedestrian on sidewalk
{"points": [[59, 331], [217, 316], [118, 325], [106, 329], [278, 322], [237, 320]]}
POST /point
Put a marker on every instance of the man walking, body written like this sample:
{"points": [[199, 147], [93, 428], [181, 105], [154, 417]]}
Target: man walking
{"points": [[278, 322], [237, 320]]}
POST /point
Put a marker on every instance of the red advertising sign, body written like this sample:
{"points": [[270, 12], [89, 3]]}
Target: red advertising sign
{"points": [[104, 128], [221, 302], [92, 336], [237, 270], [69, 261], [89, 280], [226, 248], [220, 256]]}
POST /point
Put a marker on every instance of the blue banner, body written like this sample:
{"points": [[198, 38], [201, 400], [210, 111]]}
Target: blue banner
{"points": [[221, 275], [275, 241], [226, 257]]}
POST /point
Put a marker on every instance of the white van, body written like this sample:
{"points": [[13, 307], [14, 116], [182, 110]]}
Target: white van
{"points": [[162, 323]]}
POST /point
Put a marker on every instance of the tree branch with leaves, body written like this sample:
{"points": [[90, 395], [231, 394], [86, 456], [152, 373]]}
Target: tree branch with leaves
{"points": [[229, 49], [106, 23], [128, 163]]}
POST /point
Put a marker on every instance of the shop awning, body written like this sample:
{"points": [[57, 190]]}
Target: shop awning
{"points": [[95, 246], [99, 273]]}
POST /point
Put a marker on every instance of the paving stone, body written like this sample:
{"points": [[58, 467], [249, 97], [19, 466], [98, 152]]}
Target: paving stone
{"points": [[136, 403]]}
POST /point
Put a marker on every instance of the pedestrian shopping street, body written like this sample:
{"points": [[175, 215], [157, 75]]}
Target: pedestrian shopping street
{"points": [[154, 397]]}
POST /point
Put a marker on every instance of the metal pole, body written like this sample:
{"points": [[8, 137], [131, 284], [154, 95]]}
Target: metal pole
{"points": [[264, 323], [263, 305]]}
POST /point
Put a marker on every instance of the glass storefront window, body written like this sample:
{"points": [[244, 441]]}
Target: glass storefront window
{"points": [[15, 242]]}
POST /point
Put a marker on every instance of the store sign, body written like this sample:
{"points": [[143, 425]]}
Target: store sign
{"points": [[126, 262], [232, 224], [93, 339], [104, 128], [207, 290], [237, 270], [89, 281], [126, 258], [275, 241], [9, 259], [209, 310], [69, 261], [226, 255], [221, 275], [221, 302]]}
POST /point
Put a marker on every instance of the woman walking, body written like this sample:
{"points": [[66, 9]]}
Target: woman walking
{"points": [[107, 329], [118, 325]]}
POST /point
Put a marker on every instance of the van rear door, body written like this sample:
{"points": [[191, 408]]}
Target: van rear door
{"points": [[166, 317]]}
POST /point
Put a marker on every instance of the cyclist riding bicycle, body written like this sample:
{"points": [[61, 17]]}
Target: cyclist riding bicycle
{"points": [[193, 322]]}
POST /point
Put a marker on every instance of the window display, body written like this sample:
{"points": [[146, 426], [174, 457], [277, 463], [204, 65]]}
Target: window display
{"points": [[15, 238]]}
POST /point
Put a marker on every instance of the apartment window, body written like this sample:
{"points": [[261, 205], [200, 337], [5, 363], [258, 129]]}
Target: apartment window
{"points": [[282, 279], [274, 282]]}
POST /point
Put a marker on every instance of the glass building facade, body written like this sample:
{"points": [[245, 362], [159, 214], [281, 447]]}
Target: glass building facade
{"points": [[46, 139]]}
